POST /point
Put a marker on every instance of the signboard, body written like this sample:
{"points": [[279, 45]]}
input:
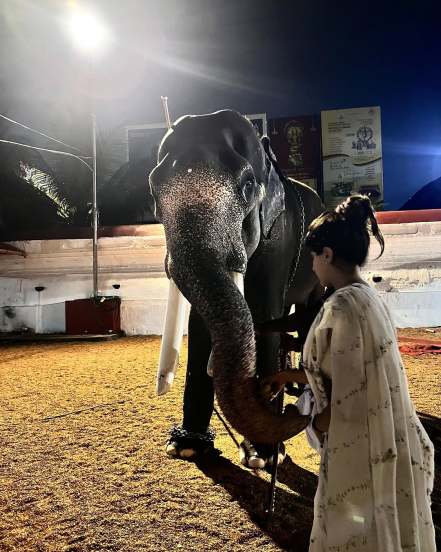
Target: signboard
{"points": [[296, 144], [143, 141], [258, 121], [352, 156]]}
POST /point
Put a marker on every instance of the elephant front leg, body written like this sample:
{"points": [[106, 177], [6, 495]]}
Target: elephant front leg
{"points": [[199, 392], [194, 436]]}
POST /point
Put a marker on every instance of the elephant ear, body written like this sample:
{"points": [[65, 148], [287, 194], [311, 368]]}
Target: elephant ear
{"points": [[274, 201]]}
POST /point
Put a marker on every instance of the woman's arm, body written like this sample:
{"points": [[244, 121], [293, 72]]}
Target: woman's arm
{"points": [[293, 376], [288, 323]]}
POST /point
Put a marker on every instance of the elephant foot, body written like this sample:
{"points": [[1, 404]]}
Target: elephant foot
{"points": [[280, 457], [189, 445], [259, 456]]}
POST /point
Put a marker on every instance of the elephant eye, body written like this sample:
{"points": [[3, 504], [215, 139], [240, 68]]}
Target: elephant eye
{"points": [[248, 188]]}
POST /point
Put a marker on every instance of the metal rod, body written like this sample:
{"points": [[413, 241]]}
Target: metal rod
{"points": [[274, 467], [94, 212], [166, 112], [57, 152], [41, 133], [38, 315]]}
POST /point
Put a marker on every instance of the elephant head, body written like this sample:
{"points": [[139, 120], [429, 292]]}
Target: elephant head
{"points": [[218, 196]]}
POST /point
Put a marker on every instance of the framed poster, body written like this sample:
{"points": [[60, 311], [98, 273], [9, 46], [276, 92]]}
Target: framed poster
{"points": [[143, 140], [296, 144], [258, 121], [352, 154]]}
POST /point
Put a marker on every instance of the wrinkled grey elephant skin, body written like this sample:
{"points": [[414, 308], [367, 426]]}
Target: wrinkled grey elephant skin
{"points": [[224, 208]]}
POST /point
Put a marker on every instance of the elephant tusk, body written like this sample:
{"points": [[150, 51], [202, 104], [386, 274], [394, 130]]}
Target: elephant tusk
{"points": [[238, 279], [175, 317]]}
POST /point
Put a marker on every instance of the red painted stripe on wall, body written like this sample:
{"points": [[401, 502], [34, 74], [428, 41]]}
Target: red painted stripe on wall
{"points": [[69, 232], [397, 217]]}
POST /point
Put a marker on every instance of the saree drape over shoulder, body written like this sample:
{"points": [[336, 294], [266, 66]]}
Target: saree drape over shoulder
{"points": [[377, 461]]}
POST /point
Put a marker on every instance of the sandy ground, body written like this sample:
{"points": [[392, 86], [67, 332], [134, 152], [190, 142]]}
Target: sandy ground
{"points": [[83, 466]]}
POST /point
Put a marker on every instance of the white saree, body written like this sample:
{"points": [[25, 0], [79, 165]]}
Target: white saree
{"points": [[377, 462]]}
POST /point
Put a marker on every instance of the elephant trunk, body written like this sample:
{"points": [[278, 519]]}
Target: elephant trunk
{"points": [[211, 290]]}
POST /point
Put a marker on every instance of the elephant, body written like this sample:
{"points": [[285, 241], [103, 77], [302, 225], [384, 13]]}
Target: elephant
{"points": [[230, 215]]}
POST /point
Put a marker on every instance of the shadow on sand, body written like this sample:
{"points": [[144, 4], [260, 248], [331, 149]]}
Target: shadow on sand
{"points": [[291, 522], [432, 425]]}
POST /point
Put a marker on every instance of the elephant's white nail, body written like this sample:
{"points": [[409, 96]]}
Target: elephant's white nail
{"points": [[187, 453], [171, 449], [280, 458], [256, 463]]}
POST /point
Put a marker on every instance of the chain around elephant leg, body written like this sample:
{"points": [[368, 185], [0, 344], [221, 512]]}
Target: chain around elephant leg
{"points": [[190, 444]]}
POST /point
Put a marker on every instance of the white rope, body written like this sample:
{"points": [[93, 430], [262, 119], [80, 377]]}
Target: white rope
{"points": [[50, 151], [41, 134]]}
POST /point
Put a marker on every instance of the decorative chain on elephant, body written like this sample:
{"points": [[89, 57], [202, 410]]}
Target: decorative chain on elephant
{"points": [[234, 227]]}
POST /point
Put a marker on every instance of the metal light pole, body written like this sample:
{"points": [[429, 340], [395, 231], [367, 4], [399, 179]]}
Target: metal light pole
{"points": [[94, 213], [91, 36]]}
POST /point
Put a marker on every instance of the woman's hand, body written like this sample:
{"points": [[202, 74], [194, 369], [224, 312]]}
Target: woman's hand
{"points": [[320, 422]]}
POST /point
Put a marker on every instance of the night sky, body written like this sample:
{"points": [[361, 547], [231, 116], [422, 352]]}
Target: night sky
{"points": [[278, 57]]}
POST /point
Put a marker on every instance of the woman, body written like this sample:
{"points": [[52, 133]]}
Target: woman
{"points": [[377, 462]]}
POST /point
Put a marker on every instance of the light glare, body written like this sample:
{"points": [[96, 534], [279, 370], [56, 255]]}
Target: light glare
{"points": [[87, 32]]}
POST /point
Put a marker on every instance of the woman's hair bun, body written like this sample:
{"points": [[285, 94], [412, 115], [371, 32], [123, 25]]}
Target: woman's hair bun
{"points": [[346, 230], [356, 208]]}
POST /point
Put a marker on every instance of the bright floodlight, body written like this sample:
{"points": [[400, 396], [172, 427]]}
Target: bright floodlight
{"points": [[88, 33]]}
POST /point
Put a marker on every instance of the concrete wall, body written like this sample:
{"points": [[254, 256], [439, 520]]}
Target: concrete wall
{"points": [[410, 272], [64, 268]]}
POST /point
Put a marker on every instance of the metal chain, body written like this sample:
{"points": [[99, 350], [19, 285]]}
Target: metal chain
{"points": [[302, 237], [272, 491], [272, 161], [230, 433]]}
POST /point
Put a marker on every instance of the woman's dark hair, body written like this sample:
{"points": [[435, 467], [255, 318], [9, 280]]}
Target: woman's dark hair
{"points": [[346, 230]]}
